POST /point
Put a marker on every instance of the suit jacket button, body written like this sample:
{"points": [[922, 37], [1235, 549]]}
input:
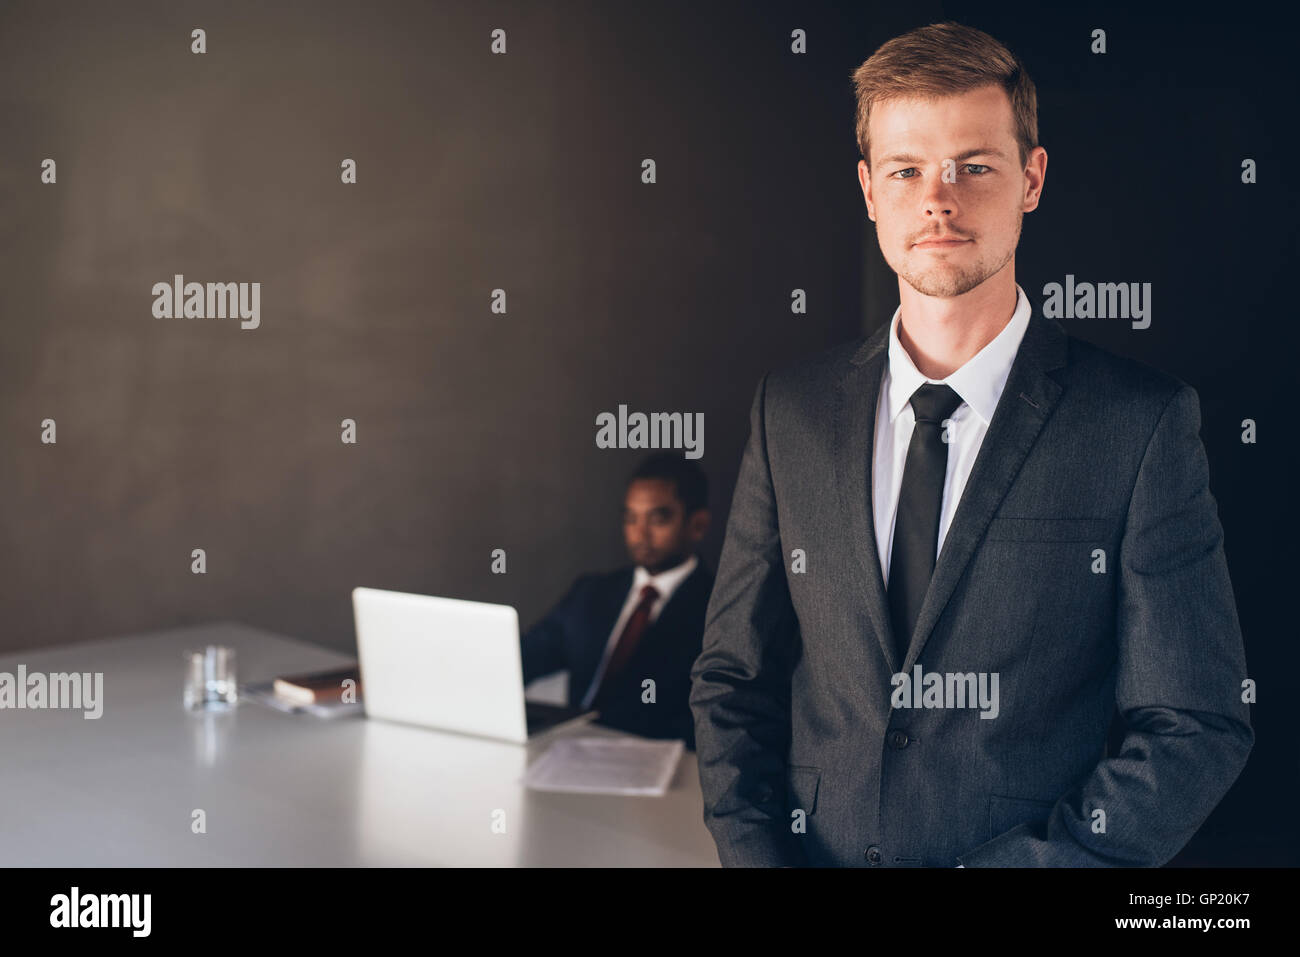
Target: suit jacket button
{"points": [[899, 740], [873, 854]]}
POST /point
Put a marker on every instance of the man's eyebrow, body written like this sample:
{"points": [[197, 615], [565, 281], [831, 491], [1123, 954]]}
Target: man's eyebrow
{"points": [[963, 155]]}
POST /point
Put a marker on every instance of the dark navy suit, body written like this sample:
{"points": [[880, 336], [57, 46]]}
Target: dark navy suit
{"points": [[574, 634]]}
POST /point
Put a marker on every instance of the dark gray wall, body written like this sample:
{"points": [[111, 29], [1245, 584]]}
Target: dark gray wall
{"points": [[475, 172]]}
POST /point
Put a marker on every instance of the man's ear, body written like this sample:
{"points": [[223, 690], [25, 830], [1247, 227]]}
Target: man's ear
{"points": [[864, 181], [699, 523]]}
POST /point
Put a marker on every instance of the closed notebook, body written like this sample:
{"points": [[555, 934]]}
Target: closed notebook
{"points": [[321, 687]]}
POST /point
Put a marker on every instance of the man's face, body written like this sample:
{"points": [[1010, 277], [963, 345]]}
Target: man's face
{"points": [[656, 530], [948, 168]]}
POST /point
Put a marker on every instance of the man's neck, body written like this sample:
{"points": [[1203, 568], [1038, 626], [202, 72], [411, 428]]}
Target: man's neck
{"points": [[941, 335], [668, 567]]}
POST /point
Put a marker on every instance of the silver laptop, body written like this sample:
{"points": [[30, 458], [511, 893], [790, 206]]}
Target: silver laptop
{"points": [[446, 663]]}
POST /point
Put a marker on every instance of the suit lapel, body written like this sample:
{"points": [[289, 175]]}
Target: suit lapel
{"points": [[669, 629], [609, 604], [682, 601], [1027, 400], [855, 428]]}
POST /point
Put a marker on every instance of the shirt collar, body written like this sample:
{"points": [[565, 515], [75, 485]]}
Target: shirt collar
{"points": [[979, 381], [665, 582]]}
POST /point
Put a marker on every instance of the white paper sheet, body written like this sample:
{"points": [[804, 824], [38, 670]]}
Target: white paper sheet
{"points": [[635, 766]]}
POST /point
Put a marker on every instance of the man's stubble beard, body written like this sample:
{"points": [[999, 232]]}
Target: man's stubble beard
{"points": [[948, 282]]}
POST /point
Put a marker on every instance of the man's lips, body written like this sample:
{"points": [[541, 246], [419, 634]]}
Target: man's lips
{"points": [[941, 242]]}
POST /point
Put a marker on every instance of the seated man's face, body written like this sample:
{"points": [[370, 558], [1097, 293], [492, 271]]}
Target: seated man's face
{"points": [[658, 534]]}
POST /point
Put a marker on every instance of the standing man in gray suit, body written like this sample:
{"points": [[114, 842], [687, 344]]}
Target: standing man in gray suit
{"points": [[959, 546]]}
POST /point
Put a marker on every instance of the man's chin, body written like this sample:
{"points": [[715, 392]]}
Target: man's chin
{"points": [[942, 284], [659, 564]]}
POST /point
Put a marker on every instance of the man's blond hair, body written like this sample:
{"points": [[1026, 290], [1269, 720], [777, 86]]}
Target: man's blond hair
{"points": [[944, 59]]}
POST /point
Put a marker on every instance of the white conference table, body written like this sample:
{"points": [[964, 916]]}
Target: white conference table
{"points": [[282, 789]]}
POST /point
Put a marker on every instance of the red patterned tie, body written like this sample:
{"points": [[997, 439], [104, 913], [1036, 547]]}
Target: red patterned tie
{"points": [[627, 642]]}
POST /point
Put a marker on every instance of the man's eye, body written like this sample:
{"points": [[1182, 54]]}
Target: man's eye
{"points": [[978, 168]]}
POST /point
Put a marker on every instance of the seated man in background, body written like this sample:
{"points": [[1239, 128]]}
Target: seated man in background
{"points": [[629, 637]]}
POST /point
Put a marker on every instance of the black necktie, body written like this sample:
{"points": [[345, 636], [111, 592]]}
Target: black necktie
{"points": [[916, 529]]}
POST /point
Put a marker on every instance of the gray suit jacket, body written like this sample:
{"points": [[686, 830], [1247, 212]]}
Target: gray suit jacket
{"points": [[1084, 567]]}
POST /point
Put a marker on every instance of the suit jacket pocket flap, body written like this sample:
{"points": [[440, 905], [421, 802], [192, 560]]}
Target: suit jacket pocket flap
{"points": [[802, 783], [1008, 812]]}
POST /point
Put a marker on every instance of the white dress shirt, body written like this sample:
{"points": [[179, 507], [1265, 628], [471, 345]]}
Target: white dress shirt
{"points": [[979, 382], [665, 583]]}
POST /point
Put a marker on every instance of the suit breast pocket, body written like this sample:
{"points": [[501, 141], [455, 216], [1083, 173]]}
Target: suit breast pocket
{"points": [[1007, 812], [802, 783], [1003, 529]]}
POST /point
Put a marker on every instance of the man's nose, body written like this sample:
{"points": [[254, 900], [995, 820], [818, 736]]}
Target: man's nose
{"points": [[941, 210], [941, 200]]}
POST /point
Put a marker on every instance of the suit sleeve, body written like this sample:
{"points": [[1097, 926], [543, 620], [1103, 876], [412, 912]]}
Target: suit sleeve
{"points": [[740, 693], [1179, 680], [542, 646]]}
